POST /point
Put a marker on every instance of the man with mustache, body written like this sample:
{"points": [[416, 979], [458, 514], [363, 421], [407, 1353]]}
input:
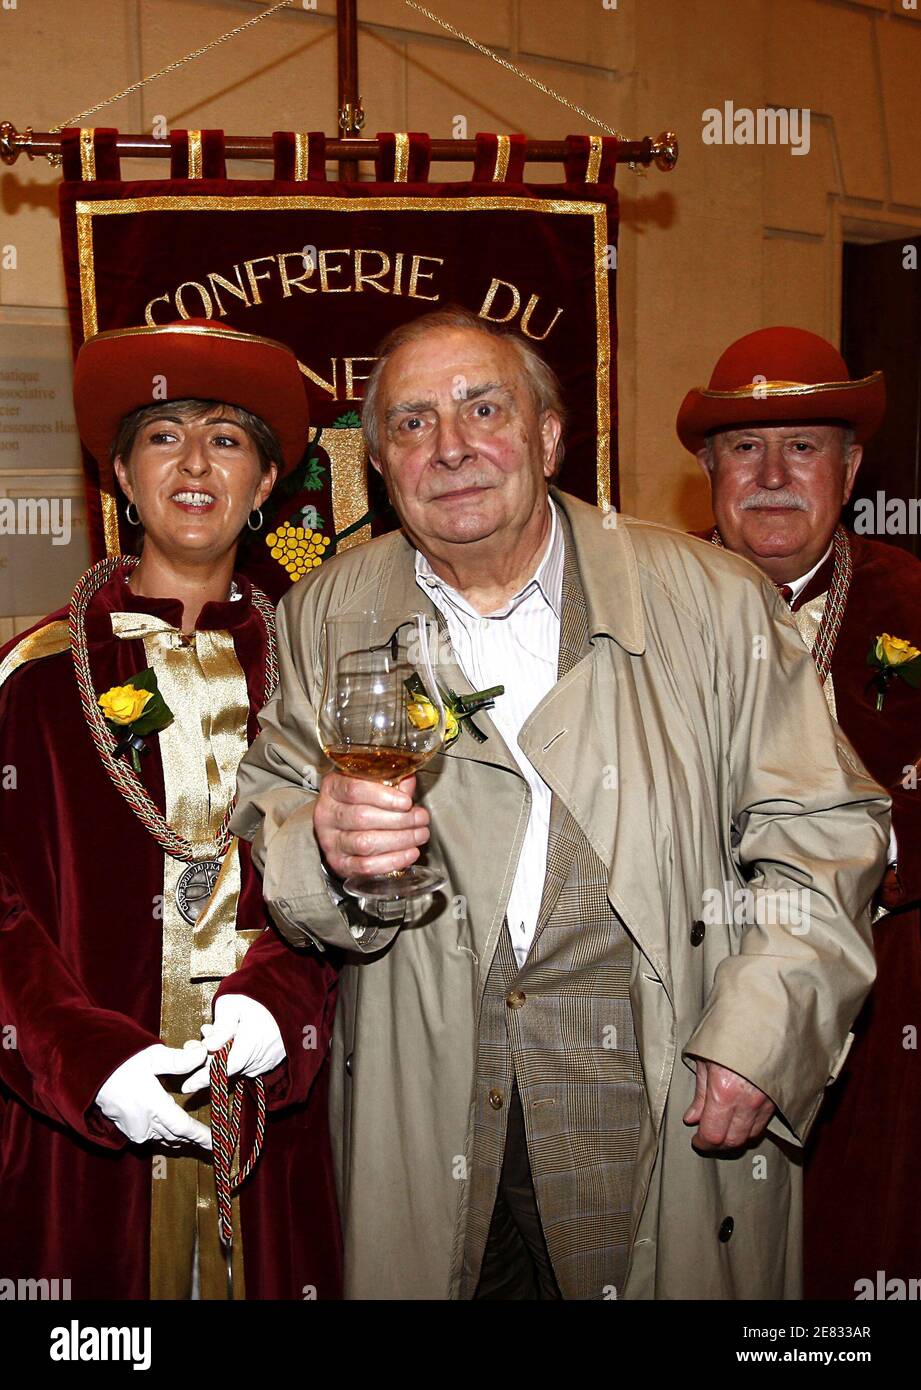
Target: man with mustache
{"points": [[779, 432], [544, 1084]]}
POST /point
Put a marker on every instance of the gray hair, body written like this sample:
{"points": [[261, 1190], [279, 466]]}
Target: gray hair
{"points": [[541, 379]]}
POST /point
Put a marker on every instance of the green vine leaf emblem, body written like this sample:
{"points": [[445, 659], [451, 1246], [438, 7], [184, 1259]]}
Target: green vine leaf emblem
{"points": [[314, 473], [351, 420]]}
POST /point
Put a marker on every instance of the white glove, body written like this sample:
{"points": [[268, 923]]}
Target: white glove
{"points": [[133, 1099], [257, 1045]]}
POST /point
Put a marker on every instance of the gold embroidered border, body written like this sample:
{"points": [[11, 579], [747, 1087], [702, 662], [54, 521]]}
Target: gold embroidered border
{"points": [[401, 157], [195, 154], [85, 260], [88, 153], [594, 159], [86, 210], [503, 149], [301, 156]]}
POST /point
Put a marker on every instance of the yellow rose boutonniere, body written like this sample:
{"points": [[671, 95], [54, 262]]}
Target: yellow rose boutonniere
{"points": [[422, 714], [134, 710], [124, 703], [890, 657], [895, 651]]}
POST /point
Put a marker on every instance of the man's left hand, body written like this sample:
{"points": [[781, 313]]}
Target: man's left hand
{"points": [[257, 1044], [728, 1110]]}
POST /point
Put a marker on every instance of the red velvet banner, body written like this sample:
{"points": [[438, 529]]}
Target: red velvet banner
{"points": [[329, 268]]}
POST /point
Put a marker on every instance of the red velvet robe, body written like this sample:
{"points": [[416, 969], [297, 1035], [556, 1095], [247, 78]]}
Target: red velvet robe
{"points": [[80, 983], [862, 1210]]}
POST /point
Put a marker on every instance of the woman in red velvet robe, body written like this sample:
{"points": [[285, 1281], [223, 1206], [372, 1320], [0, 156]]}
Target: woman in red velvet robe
{"points": [[100, 959]]}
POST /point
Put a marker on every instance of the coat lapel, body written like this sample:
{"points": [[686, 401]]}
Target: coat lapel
{"points": [[591, 716], [574, 646], [587, 737]]}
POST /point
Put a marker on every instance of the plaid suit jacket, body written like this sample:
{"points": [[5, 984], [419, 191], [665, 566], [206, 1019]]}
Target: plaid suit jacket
{"points": [[562, 1025]]}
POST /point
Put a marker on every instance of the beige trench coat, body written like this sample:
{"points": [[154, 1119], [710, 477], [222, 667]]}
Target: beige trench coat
{"points": [[694, 748]]}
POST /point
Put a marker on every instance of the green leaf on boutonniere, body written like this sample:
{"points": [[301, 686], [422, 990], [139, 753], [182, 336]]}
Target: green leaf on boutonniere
{"points": [[911, 673], [157, 714], [116, 705], [458, 708]]}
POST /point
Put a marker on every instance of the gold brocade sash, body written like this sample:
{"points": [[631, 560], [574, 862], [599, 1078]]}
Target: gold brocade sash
{"points": [[809, 619], [203, 684]]}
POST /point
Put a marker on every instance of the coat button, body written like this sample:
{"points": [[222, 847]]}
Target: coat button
{"points": [[726, 1229], [495, 1099], [348, 1064], [697, 933], [515, 998]]}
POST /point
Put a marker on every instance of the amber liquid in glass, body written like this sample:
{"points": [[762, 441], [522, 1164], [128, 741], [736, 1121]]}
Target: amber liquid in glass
{"points": [[377, 764]]}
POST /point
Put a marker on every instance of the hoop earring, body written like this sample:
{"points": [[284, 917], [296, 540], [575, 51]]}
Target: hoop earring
{"points": [[132, 520], [257, 511]]}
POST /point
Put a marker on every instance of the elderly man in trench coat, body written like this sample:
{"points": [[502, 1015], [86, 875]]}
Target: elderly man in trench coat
{"points": [[587, 1071]]}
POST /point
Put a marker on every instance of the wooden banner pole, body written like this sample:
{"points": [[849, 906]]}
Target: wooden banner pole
{"points": [[662, 151], [350, 115]]}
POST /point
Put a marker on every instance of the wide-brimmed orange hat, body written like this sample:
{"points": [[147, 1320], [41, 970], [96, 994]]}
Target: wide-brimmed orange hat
{"points": [[778, 375], [119, 370]]}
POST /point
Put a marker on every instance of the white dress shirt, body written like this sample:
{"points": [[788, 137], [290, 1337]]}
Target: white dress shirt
{"points": [[798, 585], [517, 647]]}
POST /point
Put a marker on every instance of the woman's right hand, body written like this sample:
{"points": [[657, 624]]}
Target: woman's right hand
{"points": [[133, 1099], [364, 827]]}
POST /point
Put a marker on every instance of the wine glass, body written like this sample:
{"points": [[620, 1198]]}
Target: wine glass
{"points": [[381, 718]]}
